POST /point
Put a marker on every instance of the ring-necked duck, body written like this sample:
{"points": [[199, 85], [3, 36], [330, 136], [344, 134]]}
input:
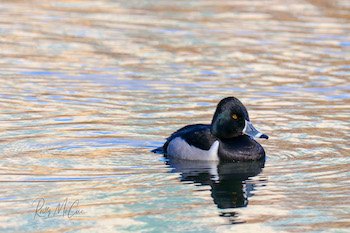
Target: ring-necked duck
{"points": [[229, 137]]}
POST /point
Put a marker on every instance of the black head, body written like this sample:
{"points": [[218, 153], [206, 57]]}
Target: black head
{"points": [[229, 118]]}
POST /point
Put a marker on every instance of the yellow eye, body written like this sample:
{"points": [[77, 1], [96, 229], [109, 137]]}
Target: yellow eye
{"points": [[234, 116]]}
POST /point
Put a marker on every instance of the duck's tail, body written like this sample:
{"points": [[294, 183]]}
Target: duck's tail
{"points": [[159, 150]]}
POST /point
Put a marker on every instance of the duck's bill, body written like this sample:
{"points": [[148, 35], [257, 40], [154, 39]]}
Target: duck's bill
{"points": [[253, 132]]}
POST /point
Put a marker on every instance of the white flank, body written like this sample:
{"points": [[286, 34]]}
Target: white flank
{"points": [[179, 148]]}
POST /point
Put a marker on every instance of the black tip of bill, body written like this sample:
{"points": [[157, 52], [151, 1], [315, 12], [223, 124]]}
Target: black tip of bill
{"points": [[264, 136]]}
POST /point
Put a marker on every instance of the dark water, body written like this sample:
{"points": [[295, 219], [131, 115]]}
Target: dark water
{"points": [[88, 88]]}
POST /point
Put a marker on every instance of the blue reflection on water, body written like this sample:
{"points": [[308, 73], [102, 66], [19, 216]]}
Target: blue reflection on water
{"points": [[344, 43], [40, 73], [65, 119]]}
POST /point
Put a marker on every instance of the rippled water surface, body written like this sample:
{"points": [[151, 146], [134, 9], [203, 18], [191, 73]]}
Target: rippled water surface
{"points": [[88, 88]]}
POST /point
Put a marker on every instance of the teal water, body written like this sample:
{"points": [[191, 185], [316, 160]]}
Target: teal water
{"points": [[89, 88]]}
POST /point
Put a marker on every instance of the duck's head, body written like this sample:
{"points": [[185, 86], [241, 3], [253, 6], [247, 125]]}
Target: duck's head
{"points": [[231, 119]]}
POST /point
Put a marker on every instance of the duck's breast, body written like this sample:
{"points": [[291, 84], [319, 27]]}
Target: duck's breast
{"points": [[242, 148]]}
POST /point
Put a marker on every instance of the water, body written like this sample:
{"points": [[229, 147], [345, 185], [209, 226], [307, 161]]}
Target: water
{"points": [[88, 88]]}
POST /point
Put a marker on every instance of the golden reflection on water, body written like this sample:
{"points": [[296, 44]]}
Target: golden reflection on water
{"points": [[88, 88]]}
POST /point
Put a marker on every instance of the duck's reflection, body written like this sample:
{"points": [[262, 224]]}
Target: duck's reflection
{"points": [[229, 188]]}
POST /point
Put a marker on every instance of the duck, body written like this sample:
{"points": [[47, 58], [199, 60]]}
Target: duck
{"points": [[230, 137]]}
